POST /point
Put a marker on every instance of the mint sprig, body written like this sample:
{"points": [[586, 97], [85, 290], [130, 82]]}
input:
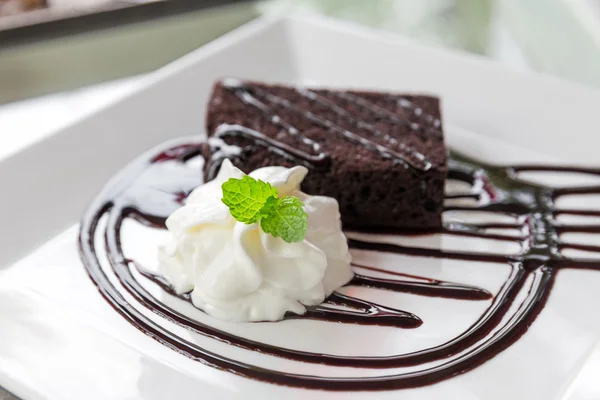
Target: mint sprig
{"points": [[287, 220], [246, 198], [250, 201]]}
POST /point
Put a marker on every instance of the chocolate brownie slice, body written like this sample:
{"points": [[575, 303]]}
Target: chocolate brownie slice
{"points": [[381, 155]]}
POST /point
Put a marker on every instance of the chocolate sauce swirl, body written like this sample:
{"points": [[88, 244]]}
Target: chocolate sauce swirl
{"points": [[153, 186]]}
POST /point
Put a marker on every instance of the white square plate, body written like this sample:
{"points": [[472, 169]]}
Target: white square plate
{"points": [[59, 339]]}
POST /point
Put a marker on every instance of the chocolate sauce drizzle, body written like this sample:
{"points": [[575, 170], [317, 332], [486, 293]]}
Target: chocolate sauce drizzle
{"points": [[150, 188], [372, 139]]}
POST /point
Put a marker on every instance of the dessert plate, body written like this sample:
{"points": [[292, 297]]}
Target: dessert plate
{"points": [[61, 339]]}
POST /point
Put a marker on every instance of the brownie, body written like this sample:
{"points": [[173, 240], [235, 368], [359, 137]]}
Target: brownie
{"points": [[381, 155]]}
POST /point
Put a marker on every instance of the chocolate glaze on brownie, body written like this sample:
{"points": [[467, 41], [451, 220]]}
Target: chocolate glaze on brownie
{"points": [[382, 156]]}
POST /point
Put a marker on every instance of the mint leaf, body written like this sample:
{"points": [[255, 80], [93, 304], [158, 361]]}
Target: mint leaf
{"points": [[269, 206], [246, 198], [287, 220], [250, 200]]}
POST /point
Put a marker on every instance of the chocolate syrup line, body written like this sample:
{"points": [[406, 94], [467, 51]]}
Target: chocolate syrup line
{"points": [[577, 190], [320, 160], [433, 253], [462, 196], [382, 112], [482, 235], [583, 213], [576, 263], [365, 312], [431, 288], [583, 247], [423, 289], [577, 228], [481, 227], [247, 98], [549, 168], [488, 336], [416, 278], [250, 96], [430, 119], [357, 123], [514, 209]]}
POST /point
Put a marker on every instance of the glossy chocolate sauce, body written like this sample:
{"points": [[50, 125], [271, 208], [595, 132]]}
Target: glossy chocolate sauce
{"points": [[151, 188]]}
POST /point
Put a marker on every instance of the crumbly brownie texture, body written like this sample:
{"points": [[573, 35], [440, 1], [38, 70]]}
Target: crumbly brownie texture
{"points": [[382, 156]]}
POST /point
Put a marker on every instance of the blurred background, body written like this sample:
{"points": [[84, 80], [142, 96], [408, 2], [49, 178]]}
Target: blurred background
{"points": [[62, 59]]}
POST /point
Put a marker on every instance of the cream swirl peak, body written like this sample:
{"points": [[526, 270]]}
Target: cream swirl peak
{"points": [[236, 271]]}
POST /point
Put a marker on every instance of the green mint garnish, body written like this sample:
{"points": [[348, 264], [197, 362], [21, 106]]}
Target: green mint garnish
{"points": [[246, 198], [250, 201], [287, 220], [269, 206]]}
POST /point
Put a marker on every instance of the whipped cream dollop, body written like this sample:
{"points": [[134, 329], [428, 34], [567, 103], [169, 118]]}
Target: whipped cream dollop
{"points": [[237, 272]]}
